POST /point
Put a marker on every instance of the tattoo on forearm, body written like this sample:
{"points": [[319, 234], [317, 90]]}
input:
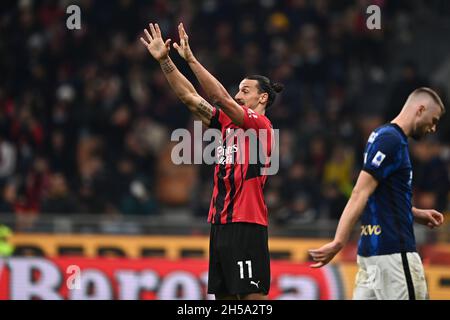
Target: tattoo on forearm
{"points": [[167, 66], [205, 109]]}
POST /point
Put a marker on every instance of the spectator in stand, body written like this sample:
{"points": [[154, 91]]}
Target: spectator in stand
{"points": [[59, 199], [7, 160], [8, 200]]}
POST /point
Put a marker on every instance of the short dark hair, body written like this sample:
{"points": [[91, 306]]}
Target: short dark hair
{"points": [[267, 86], [432, 94]]}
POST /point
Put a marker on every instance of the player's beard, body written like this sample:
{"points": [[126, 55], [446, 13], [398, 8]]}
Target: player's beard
{"points": [[418, 134]]}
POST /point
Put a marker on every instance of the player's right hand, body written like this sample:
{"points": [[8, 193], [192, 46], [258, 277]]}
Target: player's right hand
{"points": [[155, 45], [183, 48], [324, 254]]}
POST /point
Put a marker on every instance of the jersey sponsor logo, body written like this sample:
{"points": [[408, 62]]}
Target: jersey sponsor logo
{"points": [[255, 283], [378, 159], [368, 230], [372, 137]]}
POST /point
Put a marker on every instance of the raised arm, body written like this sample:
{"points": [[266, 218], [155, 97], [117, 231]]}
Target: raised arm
{"points": [[364, 187], [184, 90], [213, 88]]}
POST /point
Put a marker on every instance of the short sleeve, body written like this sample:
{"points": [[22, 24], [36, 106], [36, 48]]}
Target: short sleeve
{"points": [[381, 156]]}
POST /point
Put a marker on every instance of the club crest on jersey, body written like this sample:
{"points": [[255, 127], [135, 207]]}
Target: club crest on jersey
{"points": [[252, 114], [378, 159]]}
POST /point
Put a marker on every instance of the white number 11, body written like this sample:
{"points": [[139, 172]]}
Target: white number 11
{"points": [[241, 268]]}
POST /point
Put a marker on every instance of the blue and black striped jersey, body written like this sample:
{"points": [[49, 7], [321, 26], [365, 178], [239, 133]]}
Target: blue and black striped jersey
{"points": [[387, 221]]}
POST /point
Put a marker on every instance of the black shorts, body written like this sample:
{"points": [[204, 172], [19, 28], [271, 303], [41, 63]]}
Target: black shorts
{"points": [[239, 261]]}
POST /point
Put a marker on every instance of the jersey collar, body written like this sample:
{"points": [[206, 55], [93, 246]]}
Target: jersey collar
{"points": [[399, 129]]}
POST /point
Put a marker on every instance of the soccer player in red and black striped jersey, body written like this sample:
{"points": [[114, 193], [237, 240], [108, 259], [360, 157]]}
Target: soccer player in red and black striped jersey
{"points": [[239, 264]]}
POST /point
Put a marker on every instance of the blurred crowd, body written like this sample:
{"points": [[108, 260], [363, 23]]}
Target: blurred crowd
{"points": [[86, 115]]}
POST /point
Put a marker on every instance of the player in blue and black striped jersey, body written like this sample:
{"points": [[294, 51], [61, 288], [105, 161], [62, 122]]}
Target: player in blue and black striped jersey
{"points": [[389, 266], [388, 209]]}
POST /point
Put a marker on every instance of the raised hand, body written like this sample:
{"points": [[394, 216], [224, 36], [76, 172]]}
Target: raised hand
{"points": [[183, 48], [156, 45]]}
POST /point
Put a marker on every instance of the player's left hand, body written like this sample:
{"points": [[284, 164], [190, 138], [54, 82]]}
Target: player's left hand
{"points": [[324, 254], [428, 217], [155, 45], [184, 50]]}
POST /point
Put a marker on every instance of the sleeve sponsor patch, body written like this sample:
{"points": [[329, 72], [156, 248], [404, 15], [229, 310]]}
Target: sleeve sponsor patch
{"points": [[378, 159]]}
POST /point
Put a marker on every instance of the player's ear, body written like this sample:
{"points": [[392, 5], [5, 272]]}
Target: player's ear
{"points": [[264, 97], [420, 109]]}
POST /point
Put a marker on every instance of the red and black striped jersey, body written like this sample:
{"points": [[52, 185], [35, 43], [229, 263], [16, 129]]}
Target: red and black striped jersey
{"points": [[238, 180]]}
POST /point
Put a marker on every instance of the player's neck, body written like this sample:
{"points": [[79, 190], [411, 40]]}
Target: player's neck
{"points": [[403, 124], [260, 109]]}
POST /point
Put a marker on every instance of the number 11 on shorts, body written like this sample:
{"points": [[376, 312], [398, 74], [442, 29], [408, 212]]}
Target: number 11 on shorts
{"points": [[241, 268]]}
